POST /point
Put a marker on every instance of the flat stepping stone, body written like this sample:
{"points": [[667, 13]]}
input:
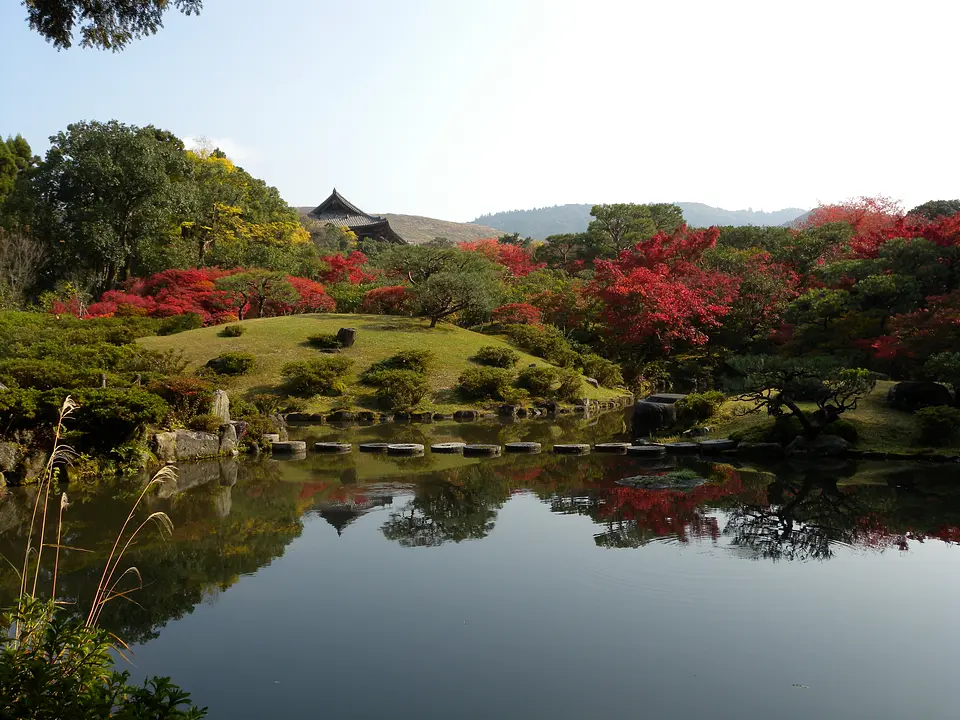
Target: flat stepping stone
{"points": [[682, 448], [291, 446], [523, 447], [481, 450], [404, 449], [578, 449], [648, 451], [332, 448], [448, 448], [271, 438], [373, 447], [718, 445], [612, 448]]}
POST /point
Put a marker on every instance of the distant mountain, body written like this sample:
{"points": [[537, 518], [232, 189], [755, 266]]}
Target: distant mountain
{"points": [[542, 222]]}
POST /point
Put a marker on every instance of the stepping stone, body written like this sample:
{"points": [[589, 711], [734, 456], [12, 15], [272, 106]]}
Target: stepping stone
{"points": [[578, 449], [271, 438], [481, 450], [335, 448], [523, 447], [718, 445], [682, 448], [292, 446], [373, 447], [612, 448], [448, 448], [648, 451], [404, 449]]}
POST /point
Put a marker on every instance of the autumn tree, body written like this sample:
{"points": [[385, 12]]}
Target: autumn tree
{"points": [[253, 289], [863, 214], [104, 24]]}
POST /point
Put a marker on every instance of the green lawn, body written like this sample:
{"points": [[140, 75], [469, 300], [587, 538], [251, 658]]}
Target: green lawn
{"points": [[277, 341], [880, 427]]}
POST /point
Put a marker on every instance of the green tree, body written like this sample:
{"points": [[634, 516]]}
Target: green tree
{"points": [[561, 250], [105, 24], [15, 157], [445, 293], [253, 289], [619, 226], [779, 385], [418, 263], [103, 192], [666, 216], [945, 367], [933, 209]]}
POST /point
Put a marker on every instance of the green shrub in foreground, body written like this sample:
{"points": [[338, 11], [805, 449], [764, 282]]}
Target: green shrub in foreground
{"points": [[401, 389], [319, 376], [324, 341], [539, 381], [232, 330], [497, 356], [938, 425], [418, 361], [483, 383], [180, 323], [604, 371], [110, 417], [232, 363], [699, 407]]}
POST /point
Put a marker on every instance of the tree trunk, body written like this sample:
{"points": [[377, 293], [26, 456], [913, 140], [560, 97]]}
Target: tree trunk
{"points": [[433, 322], [809, 429]]}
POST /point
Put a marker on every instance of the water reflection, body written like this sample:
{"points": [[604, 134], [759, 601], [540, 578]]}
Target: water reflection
{"points": [[234, 517]]}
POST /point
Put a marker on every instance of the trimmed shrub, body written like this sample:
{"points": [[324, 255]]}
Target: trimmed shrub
{"points": [[319, 376], [19, 410], [232, 363], [180, 323], [44, 374], [109, 417], [539, 381], [205, 423], [571, 385], [186, 396], [605, 372], [938, 425], [698, 407], [494, 356], [844, 429], [418, 361], [267, 404], [545, 342], [324, 341], [232, 331], [484, 383], [401, 389]]}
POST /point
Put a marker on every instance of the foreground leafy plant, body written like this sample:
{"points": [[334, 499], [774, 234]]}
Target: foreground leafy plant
{"points": [[56, 667]]}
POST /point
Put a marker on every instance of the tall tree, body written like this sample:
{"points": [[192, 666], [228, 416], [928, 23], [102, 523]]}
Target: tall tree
{"points": [[15, 157], [446, 293], [103, 191], [935, 209], [618, 227], [105, 24]]}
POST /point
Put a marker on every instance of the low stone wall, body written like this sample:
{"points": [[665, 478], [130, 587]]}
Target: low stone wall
{"points": [[178, 445]]}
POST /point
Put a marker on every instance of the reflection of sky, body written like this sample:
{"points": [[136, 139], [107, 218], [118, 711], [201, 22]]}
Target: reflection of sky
{"points": [[536, 621]]}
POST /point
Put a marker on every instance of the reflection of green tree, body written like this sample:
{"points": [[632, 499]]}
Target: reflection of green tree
{"points": [[462, 506], [221, 533]]}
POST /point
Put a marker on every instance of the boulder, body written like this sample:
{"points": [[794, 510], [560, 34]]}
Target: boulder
{"points": [[239, 427], [366, 416], [165, 446], [228, 439], [347, 336], [664, 398], [465, 415], [696, 432], [507, 410], [192, 444], [914, 395], [649, 416], [592, 381], [341, 416], [221, 406], [820, 446], [10, 456], [760, 450]]}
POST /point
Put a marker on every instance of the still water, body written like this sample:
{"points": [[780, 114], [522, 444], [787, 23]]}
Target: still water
{"points": [[536, 586]]}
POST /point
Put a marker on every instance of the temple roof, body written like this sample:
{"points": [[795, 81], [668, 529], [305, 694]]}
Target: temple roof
{"points": [[339, 211]]}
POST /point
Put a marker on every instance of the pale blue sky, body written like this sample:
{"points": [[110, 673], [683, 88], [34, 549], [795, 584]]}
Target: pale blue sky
{"points": [[451, 109]]}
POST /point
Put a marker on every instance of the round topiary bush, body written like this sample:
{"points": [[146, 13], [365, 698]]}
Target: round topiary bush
{"points": [[539, 381], [232, 363], [484, 383], [401, 389], [320, 376], [497, 356], [938, 425], [232, 331]]}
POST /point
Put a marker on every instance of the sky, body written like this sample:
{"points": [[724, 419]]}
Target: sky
{"points": [[454, 108]]}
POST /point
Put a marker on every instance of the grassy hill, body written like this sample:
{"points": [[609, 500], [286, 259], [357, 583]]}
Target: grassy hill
{"points": [[277, 341], [540, 223]]}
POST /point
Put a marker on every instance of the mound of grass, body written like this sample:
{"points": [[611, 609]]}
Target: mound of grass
{"points": [[275, 342]]}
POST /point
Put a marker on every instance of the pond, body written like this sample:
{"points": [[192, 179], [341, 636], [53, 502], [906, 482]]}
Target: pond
{"points": [[361, 586]]}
